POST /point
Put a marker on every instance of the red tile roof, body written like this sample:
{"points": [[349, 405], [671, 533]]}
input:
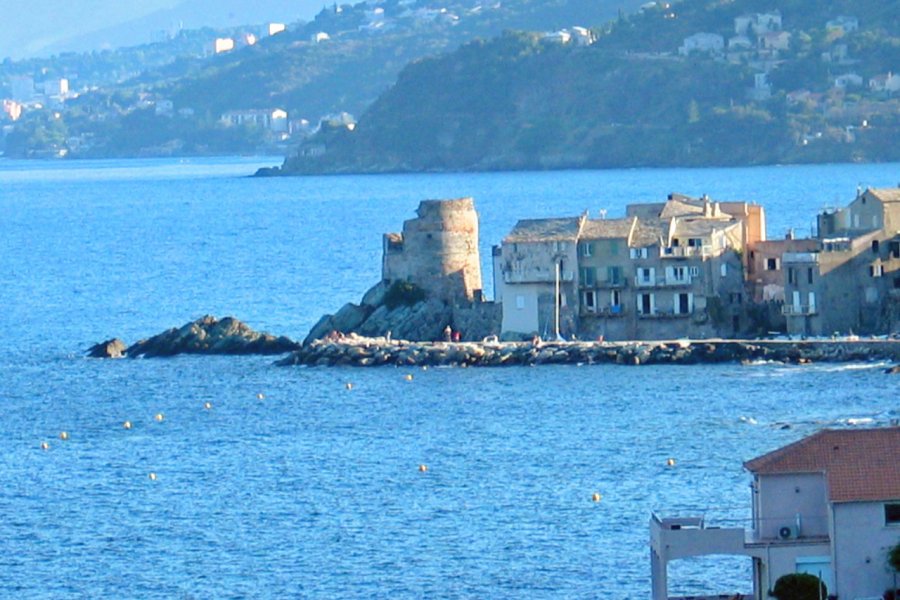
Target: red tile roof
{"points": [[860, 464]]}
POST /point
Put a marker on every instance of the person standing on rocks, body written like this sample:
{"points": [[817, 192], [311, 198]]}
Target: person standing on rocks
{"points": [[448, 333]]}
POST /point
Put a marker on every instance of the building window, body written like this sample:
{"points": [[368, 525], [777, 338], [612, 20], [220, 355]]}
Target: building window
{"points": [[790, 274], [771, 264], [645, 275], [892, 514], [809, 275], [645, 304], [590, 301], [876, 270], [694, 271], [614, 275], [588, 277], [682, 304], [615, 301], [614, 247], [587, 249], [875, 246], [520, 302], [724, 269], [638, 253]]}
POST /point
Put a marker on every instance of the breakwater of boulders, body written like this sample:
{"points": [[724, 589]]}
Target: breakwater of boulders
{"points": [[371, 352]]}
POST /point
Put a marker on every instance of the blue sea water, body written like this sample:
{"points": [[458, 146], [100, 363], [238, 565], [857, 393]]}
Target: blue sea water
{"points": [[315, 490]]}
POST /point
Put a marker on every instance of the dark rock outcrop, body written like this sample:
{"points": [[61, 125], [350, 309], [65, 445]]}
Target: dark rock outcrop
{"points": [[894, 370], [212, 336], [114, 348], [424, 320]]}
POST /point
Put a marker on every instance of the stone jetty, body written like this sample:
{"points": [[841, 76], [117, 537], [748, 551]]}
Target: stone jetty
{"points": [[354, 350]]}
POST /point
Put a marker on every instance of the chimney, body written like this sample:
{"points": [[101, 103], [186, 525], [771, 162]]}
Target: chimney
{"points": [[790, 234]]}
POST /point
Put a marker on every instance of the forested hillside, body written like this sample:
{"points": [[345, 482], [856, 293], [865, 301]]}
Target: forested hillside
{"points": [[632, 98]]}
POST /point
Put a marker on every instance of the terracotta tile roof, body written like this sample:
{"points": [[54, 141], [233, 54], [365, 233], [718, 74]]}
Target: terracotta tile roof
{"points": [[860, 464], [599, 229], [680, 206], [646, 233], [545, 230], [886, 194]]}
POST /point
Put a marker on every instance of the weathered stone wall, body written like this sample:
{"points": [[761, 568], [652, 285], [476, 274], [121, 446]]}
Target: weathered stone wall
{"points": [[437, 251]]}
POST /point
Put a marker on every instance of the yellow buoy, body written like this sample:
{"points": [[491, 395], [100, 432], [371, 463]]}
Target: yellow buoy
{"points": [[152, 476], [260, 396], [63, 435], [671, 462], [348, 385], [45, 446], [127, 424], [423, 468], [409, 377], [207, 405], [159, 417], [596, 497]]}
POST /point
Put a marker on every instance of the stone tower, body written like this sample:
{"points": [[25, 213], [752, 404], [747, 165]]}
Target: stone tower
{"points": [[437, 251]]}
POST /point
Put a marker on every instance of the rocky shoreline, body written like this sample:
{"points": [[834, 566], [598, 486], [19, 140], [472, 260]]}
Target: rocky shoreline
{"points": [[360, 351], [207, 335], [229, 336]]}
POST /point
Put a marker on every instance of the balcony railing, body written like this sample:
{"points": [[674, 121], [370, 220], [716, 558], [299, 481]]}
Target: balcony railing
{"points": [[536, 276], [792, 310], [685, 251], [603, 311], [800, 257], [664, 314], [663, 281], [605, 283]]}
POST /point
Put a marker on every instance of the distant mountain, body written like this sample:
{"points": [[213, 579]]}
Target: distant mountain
{"points": [[804, 90], [54, 26], [26, 32]]}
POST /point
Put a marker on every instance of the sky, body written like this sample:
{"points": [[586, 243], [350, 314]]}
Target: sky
{"points": [[42, 27]]}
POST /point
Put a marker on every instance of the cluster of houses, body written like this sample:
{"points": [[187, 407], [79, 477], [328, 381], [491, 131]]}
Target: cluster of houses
{"points": [[759, 40], [26, 94], [698, 268]]}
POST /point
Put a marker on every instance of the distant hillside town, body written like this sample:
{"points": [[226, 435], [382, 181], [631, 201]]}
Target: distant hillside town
{"points": [[693, 268], [246, 89], [425, 85]]}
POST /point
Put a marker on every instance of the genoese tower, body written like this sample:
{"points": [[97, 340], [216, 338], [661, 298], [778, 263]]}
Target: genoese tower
{"points": [[437, 251]]}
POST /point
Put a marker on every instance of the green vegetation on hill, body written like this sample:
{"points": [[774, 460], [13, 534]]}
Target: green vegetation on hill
{"points": [[345, 73], [631, 100]]}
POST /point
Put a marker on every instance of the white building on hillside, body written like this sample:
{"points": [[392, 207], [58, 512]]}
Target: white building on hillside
{"points": [[709, 43]]}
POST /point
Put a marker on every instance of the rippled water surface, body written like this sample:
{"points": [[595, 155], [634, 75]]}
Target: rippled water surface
{"points": [[315, 490]]}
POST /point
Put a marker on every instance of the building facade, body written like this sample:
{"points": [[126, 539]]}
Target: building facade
{"points": [[535, 277], [849, 282], [667, 270], [828, 505]]}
